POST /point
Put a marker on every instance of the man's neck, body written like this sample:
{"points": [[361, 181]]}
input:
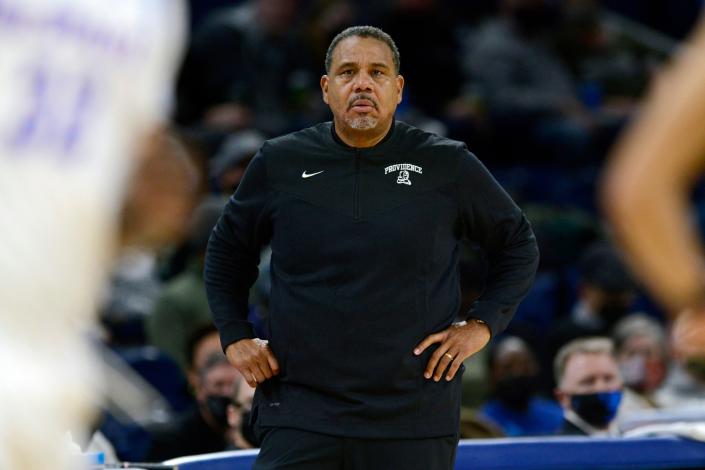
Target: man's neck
{"points": [[361, 138]]}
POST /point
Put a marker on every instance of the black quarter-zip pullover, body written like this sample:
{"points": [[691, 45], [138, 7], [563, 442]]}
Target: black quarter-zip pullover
{"points": [[365, 246]]}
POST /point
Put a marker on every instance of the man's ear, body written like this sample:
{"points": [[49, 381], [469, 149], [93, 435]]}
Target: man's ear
{"points": [[400, 88], [324, 88]]}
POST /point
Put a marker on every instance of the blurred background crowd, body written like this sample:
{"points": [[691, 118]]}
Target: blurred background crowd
{"points": [[538, 89]]}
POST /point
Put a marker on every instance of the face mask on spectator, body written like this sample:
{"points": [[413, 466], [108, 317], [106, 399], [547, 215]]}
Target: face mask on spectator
{"points": [[218, 407], [633, 371], [597, 409], [515, 391], [642, 374]]}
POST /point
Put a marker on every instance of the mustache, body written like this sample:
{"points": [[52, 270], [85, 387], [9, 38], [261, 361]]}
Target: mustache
{"points": [[362, 96]]}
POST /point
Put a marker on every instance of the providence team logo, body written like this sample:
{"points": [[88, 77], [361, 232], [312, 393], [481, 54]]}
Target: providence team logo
{"points": [[403, 169]]}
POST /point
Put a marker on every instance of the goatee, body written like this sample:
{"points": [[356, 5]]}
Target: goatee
{"points": [[362, 123]]}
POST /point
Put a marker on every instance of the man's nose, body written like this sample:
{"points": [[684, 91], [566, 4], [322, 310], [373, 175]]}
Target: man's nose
{"points": [[363, 82]]}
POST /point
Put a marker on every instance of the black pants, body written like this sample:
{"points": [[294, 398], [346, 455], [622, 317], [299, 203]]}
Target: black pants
{"points": [[294, 449]]}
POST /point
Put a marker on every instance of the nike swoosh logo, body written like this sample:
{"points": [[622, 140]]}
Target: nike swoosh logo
{"points": [[308, 175]]}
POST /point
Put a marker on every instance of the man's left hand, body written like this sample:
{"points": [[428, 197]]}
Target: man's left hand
{"points": [[457, 343]]}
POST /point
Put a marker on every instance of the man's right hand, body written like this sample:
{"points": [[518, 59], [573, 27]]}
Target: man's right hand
{"points": [[253, 359]]}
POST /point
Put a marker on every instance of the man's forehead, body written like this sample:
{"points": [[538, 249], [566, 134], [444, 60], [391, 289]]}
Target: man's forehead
{"points": [[356, 49], [582, 364]]}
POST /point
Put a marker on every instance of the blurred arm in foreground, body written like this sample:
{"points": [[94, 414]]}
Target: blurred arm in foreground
{"points": [[646, 189]]}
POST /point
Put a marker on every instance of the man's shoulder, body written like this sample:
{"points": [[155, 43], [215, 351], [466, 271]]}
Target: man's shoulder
{"points": [[420, 139], [314, 136]]}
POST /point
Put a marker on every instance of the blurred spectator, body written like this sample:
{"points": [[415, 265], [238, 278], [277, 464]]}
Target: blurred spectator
{"points": [[249, 66], [412, 23], [199, 10], [204, 429], [563, 233], [640, 344], [326, 18], [228, 165], [610, 70], [133, 290], [182, 307], [162, 194], [202, 344], [684, 386], [530, 93], [160, 200], [605, 294], [515, 406], [240, 430], [589, 386]]}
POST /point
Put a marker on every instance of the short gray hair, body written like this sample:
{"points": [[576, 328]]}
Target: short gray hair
{"points": [[638, 324], [594, 345], [363, 32]]}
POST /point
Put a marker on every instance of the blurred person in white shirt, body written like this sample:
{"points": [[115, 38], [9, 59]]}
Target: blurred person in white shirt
{"points": [[82, 86]]}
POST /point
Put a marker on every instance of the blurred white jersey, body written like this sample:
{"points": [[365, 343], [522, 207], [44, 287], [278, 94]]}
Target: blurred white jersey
{"points": [[81, 82]]}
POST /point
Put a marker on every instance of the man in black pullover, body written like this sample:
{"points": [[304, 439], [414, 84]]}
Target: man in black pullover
{"points": [[364, 216]]}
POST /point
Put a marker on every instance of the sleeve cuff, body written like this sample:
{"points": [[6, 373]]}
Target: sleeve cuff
{"points": [[492, 314], [234, 331]]}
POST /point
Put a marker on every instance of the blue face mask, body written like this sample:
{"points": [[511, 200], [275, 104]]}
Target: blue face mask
{"points": [[597, 409]]}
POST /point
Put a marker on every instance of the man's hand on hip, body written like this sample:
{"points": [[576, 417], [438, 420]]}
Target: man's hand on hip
{"points": [[254, 360], [457, 343]]}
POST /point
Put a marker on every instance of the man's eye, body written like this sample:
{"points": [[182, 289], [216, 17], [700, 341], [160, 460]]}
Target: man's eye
{"points": [[346, 72], [377, 73]]}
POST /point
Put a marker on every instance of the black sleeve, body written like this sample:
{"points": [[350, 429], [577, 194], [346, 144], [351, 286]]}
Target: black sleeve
{"points": [[234, 251], [490, 218]]}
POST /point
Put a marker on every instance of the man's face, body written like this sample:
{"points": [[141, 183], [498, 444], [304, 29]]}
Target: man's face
{"points": [[206, 347], [642, 361], [514, 362], [220, 380], [363, 88], [588, 373]]}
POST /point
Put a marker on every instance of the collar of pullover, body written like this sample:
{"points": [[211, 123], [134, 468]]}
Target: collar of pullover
{"points": [[378, 146]]}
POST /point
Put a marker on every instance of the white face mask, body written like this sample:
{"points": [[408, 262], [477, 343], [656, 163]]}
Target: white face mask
{"points": [[633, 371]]}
